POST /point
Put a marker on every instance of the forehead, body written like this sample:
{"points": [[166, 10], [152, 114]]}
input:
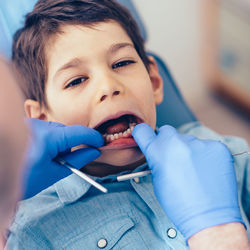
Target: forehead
{"points": [[88, 40]]}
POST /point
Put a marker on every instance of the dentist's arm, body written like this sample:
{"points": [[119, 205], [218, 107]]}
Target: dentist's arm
{"points": [[47, 141], [194, 181], [231, 236], [13, 141]]}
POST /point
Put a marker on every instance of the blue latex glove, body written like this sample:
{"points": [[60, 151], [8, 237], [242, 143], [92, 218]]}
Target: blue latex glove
{"points": [[50, 139], [194, 180]]}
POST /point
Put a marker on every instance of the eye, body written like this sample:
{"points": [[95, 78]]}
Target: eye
{"points": [[76, 82], [122, 64]]}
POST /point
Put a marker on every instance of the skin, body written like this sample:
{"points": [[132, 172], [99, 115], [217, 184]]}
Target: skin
{"points": [[105, 87], [13, 142], [229, 236]]}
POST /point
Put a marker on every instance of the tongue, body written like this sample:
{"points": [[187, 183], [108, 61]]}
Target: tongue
{"points": [[117, 128]]}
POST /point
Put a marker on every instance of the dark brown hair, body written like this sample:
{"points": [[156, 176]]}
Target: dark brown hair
{"points": [[45, 20]]}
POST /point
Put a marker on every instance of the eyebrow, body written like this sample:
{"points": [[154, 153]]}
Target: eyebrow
{"points": [[71, 64], [77, 61], [118, 46]]}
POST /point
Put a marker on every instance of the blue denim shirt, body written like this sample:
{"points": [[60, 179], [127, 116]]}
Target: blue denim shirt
{"points": [[73, 215]]}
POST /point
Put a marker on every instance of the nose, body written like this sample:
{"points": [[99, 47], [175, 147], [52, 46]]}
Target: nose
{"points": [[104, 96], [108, 87]]}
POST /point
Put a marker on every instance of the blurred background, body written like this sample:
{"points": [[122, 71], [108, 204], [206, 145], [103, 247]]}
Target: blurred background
{"points": [[206, 44]]}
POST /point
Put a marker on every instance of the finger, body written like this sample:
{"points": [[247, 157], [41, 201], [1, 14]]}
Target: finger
{"points": [[75, 135], [143, 135], [187, 138], [168, 131], [168, 135], [81, 157]]}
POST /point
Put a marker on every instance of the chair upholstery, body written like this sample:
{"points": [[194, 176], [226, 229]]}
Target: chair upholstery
{"points": [[173, 110], [12, 14]]}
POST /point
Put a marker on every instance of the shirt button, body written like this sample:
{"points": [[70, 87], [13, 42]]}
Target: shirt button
{"points": [[136, 180], [102, 243], [171, 233]]}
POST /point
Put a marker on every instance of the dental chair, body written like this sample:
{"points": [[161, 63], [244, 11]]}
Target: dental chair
{"points": [[173, 110]]}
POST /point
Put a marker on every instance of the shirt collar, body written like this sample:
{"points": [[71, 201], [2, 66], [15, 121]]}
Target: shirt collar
{"points": [[72, 188]]}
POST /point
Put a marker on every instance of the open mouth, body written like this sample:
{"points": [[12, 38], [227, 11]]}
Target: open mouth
{"points": [[118, 132]]}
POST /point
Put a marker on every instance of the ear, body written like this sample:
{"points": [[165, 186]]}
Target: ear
{"points": [[33, 109], [157, 82]]}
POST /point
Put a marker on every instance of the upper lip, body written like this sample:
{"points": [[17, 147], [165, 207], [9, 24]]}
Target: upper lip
{"points": [[116, 116]]}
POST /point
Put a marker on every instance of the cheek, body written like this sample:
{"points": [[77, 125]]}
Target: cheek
{"points": [[139, 83], [143, 92], [142, 86], [67, 110]]}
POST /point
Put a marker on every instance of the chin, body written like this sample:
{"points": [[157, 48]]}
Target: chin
{"points": [[120, 157]]}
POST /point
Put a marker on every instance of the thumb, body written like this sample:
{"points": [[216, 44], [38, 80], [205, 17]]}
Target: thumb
{"points": [[74, 135], [143, 135]]}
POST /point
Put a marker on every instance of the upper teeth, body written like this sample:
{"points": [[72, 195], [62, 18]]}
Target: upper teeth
{"points": [[126, 133]]}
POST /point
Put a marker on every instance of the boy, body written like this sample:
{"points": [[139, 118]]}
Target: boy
{"points": [[83, 62]]}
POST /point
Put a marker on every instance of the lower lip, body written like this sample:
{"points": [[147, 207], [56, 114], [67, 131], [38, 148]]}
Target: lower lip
{"points": [[121, 143]]}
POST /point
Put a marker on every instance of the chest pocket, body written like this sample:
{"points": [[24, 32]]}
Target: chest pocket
{"points": [[119, 233]]}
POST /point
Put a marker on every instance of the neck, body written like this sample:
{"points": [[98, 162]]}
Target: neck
{"points": [[103, 169]]}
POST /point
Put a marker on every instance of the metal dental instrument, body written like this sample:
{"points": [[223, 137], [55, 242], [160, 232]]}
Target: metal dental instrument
{"points": [[126, 177], [133, 175], [119, 178], [81, 174], [241, 153]]}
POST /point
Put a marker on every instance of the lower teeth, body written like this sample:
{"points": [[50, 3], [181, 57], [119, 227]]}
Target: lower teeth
{"points": [[126, 133]]}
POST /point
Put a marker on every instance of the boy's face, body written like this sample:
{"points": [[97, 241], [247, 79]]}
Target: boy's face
{"points": [[94, 75]]}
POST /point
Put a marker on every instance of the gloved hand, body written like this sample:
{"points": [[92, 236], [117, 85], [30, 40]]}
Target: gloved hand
{"points": [[50, 139], [194, 180]]}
